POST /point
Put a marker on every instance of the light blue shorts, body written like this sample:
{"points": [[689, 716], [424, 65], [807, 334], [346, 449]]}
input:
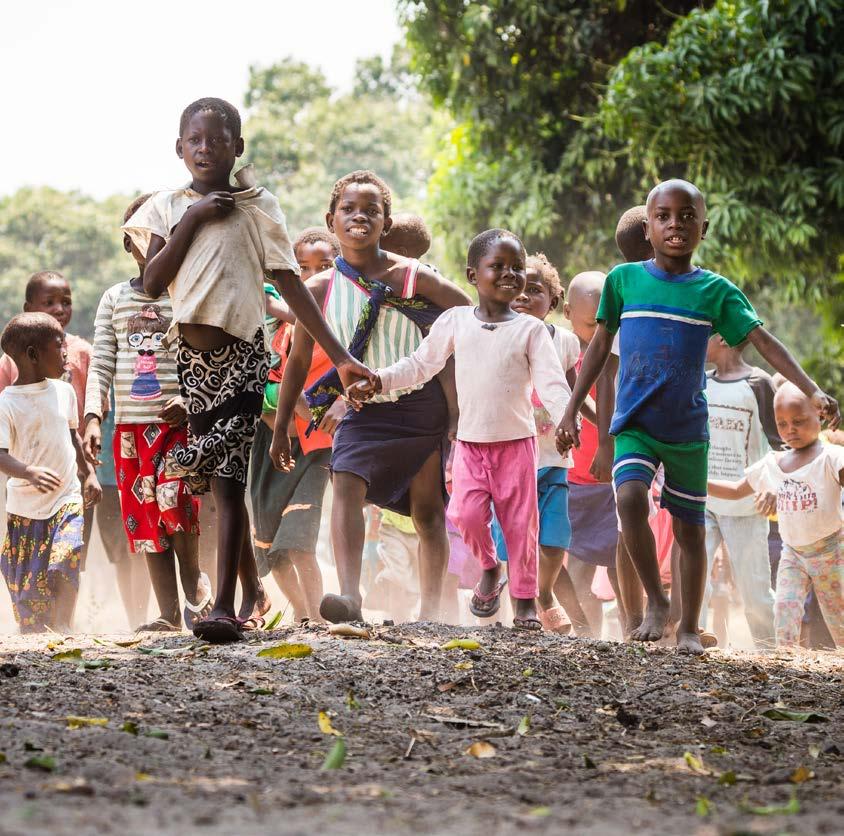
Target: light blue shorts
{"points": [[554, 526]]}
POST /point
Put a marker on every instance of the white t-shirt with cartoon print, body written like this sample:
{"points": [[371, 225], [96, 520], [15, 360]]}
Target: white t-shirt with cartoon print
{"points": [[808, 499]]}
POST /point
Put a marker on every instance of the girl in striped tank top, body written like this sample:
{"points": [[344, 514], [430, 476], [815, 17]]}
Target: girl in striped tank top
{"points": [[392, 452]]}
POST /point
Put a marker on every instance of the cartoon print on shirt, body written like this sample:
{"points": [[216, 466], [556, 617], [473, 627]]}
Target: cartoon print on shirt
{"points": [[794, 496], [146, 334]]}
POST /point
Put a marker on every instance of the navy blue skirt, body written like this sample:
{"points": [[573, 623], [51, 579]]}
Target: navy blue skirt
{"points": [[386, 444]]}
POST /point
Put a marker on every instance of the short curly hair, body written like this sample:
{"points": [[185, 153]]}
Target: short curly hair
{"points": [[483, 241], [36, 279], [408, 236], [28, 329], [363, 175], [313, 234], [136, 204], [227, 112], [630, 235], [548, 275]]}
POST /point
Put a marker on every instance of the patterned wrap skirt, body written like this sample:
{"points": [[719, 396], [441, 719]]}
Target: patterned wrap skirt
{"points": [[223, 390]]}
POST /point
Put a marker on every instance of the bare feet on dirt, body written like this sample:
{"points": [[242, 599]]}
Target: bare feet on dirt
{"points": [[653, 624]]}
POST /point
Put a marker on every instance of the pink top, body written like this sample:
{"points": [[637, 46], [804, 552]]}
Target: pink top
{"points": [[78, 361], [497, 367]]}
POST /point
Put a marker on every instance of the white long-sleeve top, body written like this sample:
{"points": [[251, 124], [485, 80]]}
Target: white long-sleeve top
{"points": [[496, 370]]}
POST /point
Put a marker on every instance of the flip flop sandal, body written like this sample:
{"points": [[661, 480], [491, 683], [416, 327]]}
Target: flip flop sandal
{"points": [[160, 625], [254, 622], [195, 612], [554, 620], [708, 640], [493, 597], [339, 609], [528, 625], [220, 630]]}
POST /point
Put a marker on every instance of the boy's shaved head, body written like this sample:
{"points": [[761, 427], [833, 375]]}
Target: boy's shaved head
{"points": [[694, 194], [408, 236], [28, 329], [789, 395], [590, 283], [630, 235]]}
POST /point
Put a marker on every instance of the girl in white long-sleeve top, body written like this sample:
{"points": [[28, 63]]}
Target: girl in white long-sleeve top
{"points": [[501, 357]]}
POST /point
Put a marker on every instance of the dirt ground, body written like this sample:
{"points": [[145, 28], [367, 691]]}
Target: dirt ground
{"points": [[580, 736]]}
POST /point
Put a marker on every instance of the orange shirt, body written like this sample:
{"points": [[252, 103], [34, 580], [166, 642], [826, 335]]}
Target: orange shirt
{"points": [[320, 364]]}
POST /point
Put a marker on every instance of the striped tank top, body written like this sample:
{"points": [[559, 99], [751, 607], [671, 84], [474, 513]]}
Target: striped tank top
{"points": [[394, 335]]}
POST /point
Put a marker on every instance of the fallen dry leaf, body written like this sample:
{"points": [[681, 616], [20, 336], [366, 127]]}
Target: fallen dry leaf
{"points": [[481, 749], [325, 726]]}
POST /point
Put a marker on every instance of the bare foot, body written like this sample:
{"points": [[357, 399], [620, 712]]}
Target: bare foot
{"points": [[634, 622], [689, 643], [653, 624]]}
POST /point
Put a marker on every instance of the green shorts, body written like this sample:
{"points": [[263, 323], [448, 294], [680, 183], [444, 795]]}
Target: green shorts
{"points": [[638, 456]]}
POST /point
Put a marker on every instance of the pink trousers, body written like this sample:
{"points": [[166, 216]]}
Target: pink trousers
{"points": [[499, 475]]}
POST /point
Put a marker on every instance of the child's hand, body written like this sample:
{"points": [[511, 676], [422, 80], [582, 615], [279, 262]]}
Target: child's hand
{"points": [[351, 370], [44, 479], [173, 413], [331, 420], [214, 205], [453, 422], [568, 433], [766, 503], [92, 491], [92, 442], [280, 454], [362, 391], [827, 406], [601, 468]]}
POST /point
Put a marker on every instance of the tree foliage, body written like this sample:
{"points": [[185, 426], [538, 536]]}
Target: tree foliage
{"points": [[756, 119], [523, 80], [45, 229], [302, 136]]}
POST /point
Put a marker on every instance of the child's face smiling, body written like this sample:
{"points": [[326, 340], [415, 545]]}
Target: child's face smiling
{"points": [[676, 222], [314, 258], [500, 274], [358, 219], [535, 299], [209, 151], [52, 296]]}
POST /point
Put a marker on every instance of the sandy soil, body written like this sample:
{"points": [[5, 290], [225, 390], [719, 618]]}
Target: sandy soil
{"points": [[585, 737]]}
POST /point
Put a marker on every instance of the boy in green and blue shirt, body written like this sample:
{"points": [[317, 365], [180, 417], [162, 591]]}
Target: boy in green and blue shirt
{"points": [[665, 310]]}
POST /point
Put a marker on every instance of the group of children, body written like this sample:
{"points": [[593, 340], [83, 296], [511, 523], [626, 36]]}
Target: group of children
{"points": [[485, 435]]}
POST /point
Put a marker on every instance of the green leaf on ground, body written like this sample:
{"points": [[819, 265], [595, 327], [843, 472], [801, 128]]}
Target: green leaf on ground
{"points": [[46, 763], [461, 644], [74, 722], [695, 763], [727, 779], [286, 651], [129, 726], [158, 734], [351, 703], [588, 762], [74, 655], [165, 651], [262, 692], [337, 756], [2, 757], [540, 812], [794, 716], [703, 806], [524, 726], [95, 664], [273, 622], [790, 809]]}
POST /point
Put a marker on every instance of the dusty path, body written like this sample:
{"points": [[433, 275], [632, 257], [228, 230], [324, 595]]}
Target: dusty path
{"points": [[584, 737]]}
